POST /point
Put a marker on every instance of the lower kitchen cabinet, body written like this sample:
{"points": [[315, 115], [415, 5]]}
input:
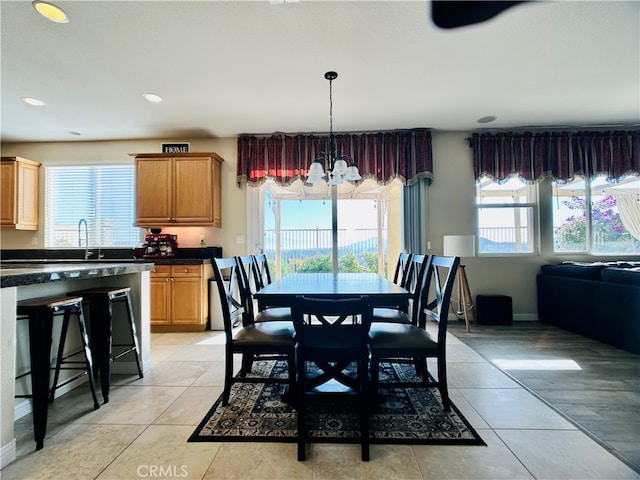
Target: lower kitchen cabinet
{"points": [[179, 297]]}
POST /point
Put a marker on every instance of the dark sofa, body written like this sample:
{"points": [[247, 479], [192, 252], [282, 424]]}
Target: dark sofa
{"points": [[599, 300]]}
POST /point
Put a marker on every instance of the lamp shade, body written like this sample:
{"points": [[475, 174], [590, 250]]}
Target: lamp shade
{"points": [[459, 246]]}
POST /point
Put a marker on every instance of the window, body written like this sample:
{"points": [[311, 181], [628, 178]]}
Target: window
{"points": [[104, 196], [593, 216], [298, 231], [507, 217]]}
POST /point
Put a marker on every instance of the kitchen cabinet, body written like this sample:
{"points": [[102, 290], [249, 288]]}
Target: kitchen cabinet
{"points": [[178, 190], [19, 193], [179, 297]]}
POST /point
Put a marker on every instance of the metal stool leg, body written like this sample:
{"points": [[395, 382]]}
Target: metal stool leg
{"points": [[40, 333], [87, 354], [60, 356], [134, 334]]}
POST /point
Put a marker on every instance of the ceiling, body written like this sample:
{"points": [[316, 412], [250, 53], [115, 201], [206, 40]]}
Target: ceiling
{"points": [[227, 68]]}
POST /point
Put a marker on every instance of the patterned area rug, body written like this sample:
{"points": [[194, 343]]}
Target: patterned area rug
{"points": [[255, 413]]}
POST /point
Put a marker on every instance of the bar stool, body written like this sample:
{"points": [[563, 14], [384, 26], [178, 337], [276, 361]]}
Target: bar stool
{"points": [[40, 312], [101, 301]]}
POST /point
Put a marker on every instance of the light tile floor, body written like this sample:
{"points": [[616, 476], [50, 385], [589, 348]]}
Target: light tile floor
{"points": [[142, 431]]}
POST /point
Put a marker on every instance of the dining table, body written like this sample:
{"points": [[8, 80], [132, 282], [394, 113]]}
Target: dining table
{"points": [[381, 291]]}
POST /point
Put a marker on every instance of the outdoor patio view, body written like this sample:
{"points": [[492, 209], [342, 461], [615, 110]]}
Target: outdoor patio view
{"points": [[304, 240]]}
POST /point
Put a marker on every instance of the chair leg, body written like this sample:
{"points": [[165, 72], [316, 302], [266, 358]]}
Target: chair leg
{"points": [[375, 372], [300, 406], [228, 374], [364, 410], [247, 364], [442, 385]]}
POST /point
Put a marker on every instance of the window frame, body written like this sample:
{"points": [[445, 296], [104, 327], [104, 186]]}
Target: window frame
{"points": [[534, 216], [586, 192], [96, 235]]}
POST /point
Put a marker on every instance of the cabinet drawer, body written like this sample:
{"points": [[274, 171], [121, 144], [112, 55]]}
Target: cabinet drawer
{"points": [[161, 271], [186, 270]]}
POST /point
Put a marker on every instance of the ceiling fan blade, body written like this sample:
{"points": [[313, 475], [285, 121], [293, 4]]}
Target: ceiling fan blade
{"points": [[453, 14]]}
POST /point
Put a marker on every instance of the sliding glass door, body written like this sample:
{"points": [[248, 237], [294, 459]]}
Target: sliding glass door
{"points": [[311, 229]]}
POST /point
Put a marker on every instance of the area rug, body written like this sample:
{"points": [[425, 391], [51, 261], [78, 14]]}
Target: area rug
{"points": [[256, 413]]}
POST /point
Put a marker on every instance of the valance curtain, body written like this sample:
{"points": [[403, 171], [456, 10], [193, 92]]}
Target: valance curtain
{"points": [[383, 156], [557, 155]]}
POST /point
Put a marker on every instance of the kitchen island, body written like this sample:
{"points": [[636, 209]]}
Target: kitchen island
{"points": [[20, 281]]}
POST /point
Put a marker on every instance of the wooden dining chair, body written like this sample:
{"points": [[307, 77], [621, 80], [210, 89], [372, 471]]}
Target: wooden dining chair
{"points": [[332, 334], [273, 340], [414, 344], [412, 281]]}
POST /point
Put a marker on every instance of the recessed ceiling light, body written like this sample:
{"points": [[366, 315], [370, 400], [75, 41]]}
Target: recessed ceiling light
{"points": [[50, 11], [32, 101], [152, 97], [487, 119]]}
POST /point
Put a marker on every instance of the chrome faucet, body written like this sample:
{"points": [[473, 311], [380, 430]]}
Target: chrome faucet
{"points": [[87, 253]]}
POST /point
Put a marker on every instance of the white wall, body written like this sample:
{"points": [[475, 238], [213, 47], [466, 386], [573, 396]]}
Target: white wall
{"points": [[451, 208]]}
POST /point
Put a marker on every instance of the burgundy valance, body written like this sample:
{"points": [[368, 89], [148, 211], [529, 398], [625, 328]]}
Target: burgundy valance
{"points": [[383, 156], [557, 155]]}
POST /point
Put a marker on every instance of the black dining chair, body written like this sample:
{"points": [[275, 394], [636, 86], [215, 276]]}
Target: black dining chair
{"points": [[332, 334], [414, 344], [273, 340], [412, 281]]}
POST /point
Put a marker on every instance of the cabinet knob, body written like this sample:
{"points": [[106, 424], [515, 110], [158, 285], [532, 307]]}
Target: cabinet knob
{"points": [[186, 270]]}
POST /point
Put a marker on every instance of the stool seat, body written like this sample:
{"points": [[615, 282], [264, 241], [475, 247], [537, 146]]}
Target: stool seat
{"points": [[100, 301], [24, 306], [40, 313]]}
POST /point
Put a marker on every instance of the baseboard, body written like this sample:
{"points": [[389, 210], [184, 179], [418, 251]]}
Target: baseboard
{"points": [[8, 453]]}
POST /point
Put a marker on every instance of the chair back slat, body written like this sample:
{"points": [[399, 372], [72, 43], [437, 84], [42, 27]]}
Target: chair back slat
{"points": [[402, 268], [230, 290], [250, 285], [262, 272], [436, 293]]}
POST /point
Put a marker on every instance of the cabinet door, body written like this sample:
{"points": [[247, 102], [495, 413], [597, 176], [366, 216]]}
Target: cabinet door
{"points": [[153, 191], [160, 300], [27, 208], [19, 193], [8, 171], [186, 300], [217, 193], [192, 187]]}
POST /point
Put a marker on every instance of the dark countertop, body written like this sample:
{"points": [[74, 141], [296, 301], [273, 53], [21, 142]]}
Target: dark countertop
{"points": [[40, 257], [22, 274]]}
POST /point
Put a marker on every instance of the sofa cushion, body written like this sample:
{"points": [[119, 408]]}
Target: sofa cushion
{"points": [[585, 272], [628, 276]]}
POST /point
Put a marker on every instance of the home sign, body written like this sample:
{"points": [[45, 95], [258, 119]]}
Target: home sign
{"points": [[175, 148]]}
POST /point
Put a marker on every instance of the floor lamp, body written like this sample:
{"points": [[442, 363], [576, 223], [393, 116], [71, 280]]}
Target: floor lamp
{"points": [[462, 246]]}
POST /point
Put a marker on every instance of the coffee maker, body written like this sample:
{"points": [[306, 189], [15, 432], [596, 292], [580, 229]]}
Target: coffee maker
{"points": [[158, 245]]}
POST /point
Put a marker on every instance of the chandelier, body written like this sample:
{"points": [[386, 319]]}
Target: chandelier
{"points": [[340, 170]]}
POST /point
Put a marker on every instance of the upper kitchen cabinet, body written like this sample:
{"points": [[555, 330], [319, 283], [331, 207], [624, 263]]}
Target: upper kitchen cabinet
{"points": [[19, 193], [183, 189]]}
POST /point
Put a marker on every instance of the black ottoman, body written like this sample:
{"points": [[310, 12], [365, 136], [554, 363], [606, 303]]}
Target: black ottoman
{"points": [[494, 310]]}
